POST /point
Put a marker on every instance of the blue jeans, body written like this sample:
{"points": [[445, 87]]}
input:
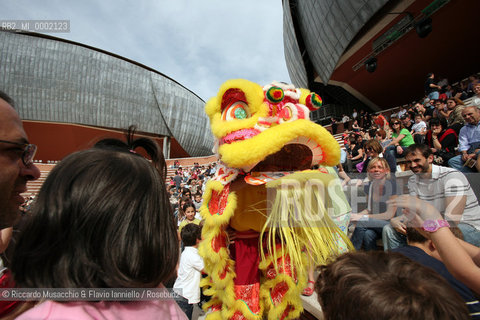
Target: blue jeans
{"points": [[392, 239], [392, 151], [367, 232], [457, 163], [470, 234]]}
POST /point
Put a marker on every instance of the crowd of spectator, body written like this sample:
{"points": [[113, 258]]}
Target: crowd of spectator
{"points": [[187, 187], [445, 119]]}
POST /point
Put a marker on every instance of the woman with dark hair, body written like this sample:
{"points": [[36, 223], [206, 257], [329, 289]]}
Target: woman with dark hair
{"points": [[455, 119], [354, 154], [102, 219], [441, 140], [382, 138], [401, 139], [373, 149]]}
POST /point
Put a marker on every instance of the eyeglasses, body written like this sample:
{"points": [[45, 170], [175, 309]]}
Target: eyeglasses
{"points": [[29, 151], [369, 149], [395, 123]]}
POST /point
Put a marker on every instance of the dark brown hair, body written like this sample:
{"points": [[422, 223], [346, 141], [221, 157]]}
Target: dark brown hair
{"points": [[375, 145], [382, 133], [420, 147], [190, 233], [379, 285], [102, 219], [132, 143]]}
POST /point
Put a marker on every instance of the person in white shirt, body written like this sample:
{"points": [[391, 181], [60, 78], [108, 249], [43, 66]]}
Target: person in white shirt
{"points": [[354, 114], [446, 189], [190, 270], [419, 129]]}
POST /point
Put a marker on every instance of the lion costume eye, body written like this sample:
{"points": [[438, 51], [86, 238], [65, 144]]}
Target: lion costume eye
{"points": [[236, 111]]}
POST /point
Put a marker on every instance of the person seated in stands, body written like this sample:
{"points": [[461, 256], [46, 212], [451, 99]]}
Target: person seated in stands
{"points": [[442, 141], [359, 138], [443, 93], [468, 142], [445, 188], [440, 110], [402, 111], [475, 101], [102, 219], [378, 285], [423, 251], [374, 149], [179, 214], [419, 129], [455, 119], [381, 136], [380, 121], [354, 154], [401, 139], [407, 121], [346, 137], [371, 221], [187, 193]]}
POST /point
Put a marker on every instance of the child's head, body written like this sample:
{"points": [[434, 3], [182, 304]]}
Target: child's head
{"points": [[385, 286], [189, 211], [102, 219], [190, 234], [418, 118], [198, 197]]}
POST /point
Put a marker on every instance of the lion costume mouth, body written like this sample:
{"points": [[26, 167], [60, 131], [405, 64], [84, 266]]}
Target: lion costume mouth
{"points": [[291, 146], [292, 157]]}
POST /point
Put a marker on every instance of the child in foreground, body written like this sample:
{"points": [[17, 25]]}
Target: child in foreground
{"points": [[102, 219], [190, 269]]}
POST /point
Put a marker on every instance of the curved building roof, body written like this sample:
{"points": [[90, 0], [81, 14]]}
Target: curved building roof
{"points": [[327, 27], [56, 80], [329, 44]]}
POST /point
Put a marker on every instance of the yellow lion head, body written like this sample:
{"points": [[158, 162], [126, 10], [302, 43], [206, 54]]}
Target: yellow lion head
{"points": [[268, 129]]}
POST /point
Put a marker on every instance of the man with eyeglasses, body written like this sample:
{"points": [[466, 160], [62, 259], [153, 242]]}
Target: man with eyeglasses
{"points": [[468, 142], [16, 162]]}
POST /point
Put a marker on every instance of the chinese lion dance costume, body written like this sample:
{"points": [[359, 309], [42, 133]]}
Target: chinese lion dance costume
{"points": [[265, 193]]}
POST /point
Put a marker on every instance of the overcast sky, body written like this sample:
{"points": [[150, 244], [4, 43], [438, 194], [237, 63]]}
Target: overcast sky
{"points": [[200, 44]]}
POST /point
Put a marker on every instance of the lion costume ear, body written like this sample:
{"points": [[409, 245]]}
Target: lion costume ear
{"points": [[231, 92]]}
